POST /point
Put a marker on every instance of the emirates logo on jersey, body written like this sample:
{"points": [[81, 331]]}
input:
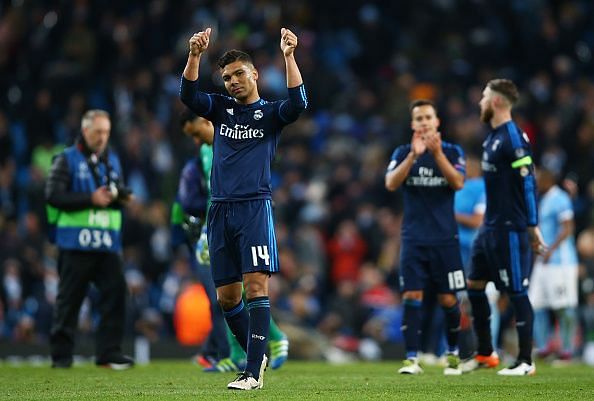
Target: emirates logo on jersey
{"points": [[241, 132]]}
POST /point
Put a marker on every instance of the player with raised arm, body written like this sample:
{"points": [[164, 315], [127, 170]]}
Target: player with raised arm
{"points": [[430, 171], [501, 252], [241, 237], [221, 351]]}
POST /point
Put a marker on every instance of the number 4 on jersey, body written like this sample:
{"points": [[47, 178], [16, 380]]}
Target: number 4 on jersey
{"points": [[261, 252]]}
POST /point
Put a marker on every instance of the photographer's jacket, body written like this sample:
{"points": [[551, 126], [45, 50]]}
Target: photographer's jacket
{"points": [[75, 223]]}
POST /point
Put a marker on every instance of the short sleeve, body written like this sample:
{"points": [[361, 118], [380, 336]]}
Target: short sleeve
{"points": [[457, 159], [481, 202], [398, 157], [564, 208]]}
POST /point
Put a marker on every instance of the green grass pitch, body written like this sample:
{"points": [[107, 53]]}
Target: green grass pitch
{"points": [[180, 380]]}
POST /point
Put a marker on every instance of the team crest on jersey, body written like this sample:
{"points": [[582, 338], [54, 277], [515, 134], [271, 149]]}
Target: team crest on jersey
{"points": [[258, 114], [520, 152]]}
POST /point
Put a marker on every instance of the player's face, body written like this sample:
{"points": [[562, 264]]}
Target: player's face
{"points": [[424, 119], [486, 106], [544, 180], [240, 80], [200, 129], [97, 134]]}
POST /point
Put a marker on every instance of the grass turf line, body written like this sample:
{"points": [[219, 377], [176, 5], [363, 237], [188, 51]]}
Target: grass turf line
{"points": [[180, 380]]}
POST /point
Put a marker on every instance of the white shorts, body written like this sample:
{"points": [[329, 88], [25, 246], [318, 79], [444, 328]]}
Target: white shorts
{"points": [[553, 286], [492, 292]]}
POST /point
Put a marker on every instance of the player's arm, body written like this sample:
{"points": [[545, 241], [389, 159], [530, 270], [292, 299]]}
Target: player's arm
{"points": [[59, 195], [567, 229], [190, 195], [522, 166], [198, 45], [291, 109], [199, 102], [453, 174], [288, 44], [567, 226], [401, 163], [473, 220], [395, 177]]}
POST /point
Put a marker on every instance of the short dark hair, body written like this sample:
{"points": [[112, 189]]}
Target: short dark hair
{"points": [[421, 102], [232, 56], [186, 116], [506, 88]]}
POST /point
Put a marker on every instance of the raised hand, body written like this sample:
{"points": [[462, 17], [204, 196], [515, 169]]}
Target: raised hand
{"points": [[288, 42], [417, 144], [199, 42]]}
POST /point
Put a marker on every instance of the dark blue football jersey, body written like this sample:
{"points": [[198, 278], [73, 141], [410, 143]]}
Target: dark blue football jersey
{"points": [[509, 179], [428, 198], [245, 139]]}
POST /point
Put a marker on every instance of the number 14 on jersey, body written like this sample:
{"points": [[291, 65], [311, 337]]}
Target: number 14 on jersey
{"points": [[260, 252]]}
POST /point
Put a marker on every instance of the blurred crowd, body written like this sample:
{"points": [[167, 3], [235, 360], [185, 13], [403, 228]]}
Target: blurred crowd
{"points": [[338, 228]]}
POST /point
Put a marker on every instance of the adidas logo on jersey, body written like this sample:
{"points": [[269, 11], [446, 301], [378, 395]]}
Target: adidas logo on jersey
{"points": [[241, 132], [230, 111]]}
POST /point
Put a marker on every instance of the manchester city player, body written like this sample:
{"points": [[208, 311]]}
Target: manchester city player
{"points": [[554, 281], [430, 171], [241, 237], [501, 252]]}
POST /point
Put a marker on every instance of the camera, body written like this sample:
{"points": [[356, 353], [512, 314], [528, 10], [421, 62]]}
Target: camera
{"points": [[119, 192]]}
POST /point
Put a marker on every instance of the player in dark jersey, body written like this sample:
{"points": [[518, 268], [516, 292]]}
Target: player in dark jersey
{"points": [[430, 171], [241, 237], [501, 252], [221, 351]]}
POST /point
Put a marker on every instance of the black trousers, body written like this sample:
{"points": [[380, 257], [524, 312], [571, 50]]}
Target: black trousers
{"points": [[76, 270]]}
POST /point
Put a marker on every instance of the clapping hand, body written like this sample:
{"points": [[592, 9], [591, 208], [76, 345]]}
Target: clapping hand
{"points": [[417, 144], [433, 142]]}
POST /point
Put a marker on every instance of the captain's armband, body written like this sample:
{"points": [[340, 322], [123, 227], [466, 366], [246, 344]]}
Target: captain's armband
{"points": [[524, 161]]}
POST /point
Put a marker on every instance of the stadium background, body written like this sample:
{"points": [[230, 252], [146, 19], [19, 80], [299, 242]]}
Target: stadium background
{"points": [[338, 229]]}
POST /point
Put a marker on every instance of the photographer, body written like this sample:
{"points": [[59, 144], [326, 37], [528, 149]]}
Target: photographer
{"points": [[84, 194]]}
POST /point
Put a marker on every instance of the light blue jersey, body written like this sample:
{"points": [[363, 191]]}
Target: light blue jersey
{"points": [[554, 208], [469, 200]]}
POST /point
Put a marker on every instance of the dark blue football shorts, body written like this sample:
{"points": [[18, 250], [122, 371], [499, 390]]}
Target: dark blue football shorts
{"points": [[502, 256], [241, 240], [434, 266]]}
